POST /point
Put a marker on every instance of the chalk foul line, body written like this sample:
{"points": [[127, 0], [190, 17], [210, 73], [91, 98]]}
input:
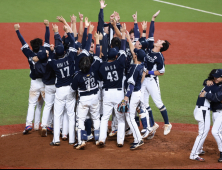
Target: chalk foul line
{"points": [[188, 7]]}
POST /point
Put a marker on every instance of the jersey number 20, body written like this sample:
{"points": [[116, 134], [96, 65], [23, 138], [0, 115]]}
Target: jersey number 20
{"points": [[112, 76]]}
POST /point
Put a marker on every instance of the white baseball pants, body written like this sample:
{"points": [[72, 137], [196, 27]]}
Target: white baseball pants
{"points": [[217, 128], [88, 104], [36, 88], [111, 99], [49, 102], [64, 98], [38, 111], [65, 123], [202, 115], [130, 116]]}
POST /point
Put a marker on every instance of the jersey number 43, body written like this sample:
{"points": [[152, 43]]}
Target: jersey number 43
{"points": [[112, 76]]}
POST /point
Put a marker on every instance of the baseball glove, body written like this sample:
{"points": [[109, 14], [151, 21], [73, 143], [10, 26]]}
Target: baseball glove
{"points": [[123, 107]]}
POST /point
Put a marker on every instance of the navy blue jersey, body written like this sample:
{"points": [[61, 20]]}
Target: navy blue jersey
{"points": [[64, 67], [87, 83], [111, 73], [202, 101], [134, 76]]}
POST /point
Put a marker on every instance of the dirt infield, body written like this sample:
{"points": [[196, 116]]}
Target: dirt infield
{"points": [[191, 42], [172, 151]]}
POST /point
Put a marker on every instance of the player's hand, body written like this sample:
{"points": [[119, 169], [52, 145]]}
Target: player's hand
{"points": [[155, 15], [100, 36], [123, 28], [135, 17], [16, 26], [144, 25], [113, 22], [73, 18], [102, 4], [47, 52], [35, 59], [52, 47], [46, 22], [202, 94], [117, 17], [111, 16], [210, 83], [87, 23], [80, 16], [55, 28], [126, 98], [61, 19], [65, 28], [96, 36], [91, 27]]}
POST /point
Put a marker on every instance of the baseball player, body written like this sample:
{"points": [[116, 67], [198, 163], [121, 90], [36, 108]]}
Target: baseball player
{"points": [[37, 85], [216, 107], [85, 81], [111, 73], [202, 115], [64, 69]]}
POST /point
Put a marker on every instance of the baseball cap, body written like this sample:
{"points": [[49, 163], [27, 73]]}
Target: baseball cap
{"points": [[218, 73], [59, 49], [143, 42], [78, 45], [42, 55], [112, 54], [140, 54]]}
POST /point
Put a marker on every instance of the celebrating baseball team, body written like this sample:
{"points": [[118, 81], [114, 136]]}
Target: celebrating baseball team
{"points": [[83, 82]]}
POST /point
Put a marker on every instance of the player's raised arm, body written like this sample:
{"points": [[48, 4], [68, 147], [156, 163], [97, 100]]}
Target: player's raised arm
{"points": [[130, 43], [62, 20], [97, 38], [101, 43], [80, 34], [101, 17], [47, 35], [17, 27], [73, 25], [116, 29], [87, 23], [136, 28], [144, 27], [89, 40], [123, 41]]}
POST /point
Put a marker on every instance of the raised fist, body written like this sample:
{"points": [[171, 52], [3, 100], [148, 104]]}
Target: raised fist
{"points": [[46, 22], [16, 26]]}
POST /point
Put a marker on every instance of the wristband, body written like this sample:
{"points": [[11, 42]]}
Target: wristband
{"points": [[144, 31], [151, 73]]}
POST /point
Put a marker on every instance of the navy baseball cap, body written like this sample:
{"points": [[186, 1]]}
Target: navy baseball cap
{"points": [[143, 42], [218, 73], [78, 45], [112, 53], [59, 49], [42, 55], [140, 54]]}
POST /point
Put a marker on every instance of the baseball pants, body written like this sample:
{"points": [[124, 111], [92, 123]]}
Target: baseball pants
{"points": [[36, 88], [64, 98], [49, 102], [110, 102], [202, 115], [38, 111], [130, 116], [88, 104], [217, 128]]}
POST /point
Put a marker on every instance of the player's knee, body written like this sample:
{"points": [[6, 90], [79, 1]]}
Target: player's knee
{"points": [[162, 108]]}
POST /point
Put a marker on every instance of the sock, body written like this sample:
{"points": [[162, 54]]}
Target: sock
{"points": [[163, 111], [220, 154], [88, 125], [137, 121], [151, 117]]}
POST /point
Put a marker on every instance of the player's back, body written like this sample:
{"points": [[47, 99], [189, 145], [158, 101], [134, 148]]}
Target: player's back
{"points": [[111, 74]]}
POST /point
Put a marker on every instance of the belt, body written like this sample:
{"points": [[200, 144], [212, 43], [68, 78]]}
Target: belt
{"points": [[203, 107], [119, 89]]}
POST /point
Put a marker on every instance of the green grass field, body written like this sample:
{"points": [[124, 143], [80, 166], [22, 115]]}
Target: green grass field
{"points": [[180, 85]]}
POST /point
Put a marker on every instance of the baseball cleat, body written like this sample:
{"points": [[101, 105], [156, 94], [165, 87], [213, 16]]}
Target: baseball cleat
{"points": [[113, 133], [151, 136], [49, 129], [97, 143], [146, 134], [167, 128], [81, 146], [90, 137], [55, 144], [143, 131], [220, 160], [101, 144], [75, 145], [198, 159], [36, 127], [128, 132], [120, 145], [137, 145], [71, 144], [44, 132], [27, 129], [64, 137], [155, 127], [202, 153]]}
